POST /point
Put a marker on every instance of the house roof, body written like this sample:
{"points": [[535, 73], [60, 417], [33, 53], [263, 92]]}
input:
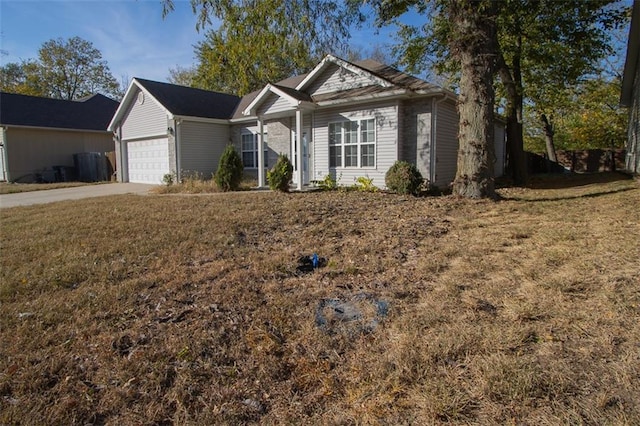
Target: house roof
{"points": [[190, 102], [633, 56], [90, 113], [293, 96], [386, 81], [178, 101], [395, 76], [333, 60], [247, 99]]}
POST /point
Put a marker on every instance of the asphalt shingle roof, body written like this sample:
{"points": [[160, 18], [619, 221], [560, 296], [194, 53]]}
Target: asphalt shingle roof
{"points": [[190, 102], [290, 83], [91, 113], [394, 76]]}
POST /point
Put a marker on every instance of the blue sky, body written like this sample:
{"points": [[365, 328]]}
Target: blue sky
{"points": [[132, 36]]}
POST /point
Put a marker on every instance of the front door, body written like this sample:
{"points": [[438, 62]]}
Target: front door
{"points": [[305, 156]]}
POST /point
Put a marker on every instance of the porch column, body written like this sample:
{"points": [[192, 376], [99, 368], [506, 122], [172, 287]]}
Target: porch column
{"points": [[261, 180], [299, 147]]}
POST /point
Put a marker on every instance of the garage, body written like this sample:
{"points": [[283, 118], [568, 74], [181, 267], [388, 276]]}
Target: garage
{"points": [[148, 160]]}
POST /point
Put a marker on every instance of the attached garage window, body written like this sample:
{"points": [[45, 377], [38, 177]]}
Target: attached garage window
{"points": [[250, 150], [352, 143]]}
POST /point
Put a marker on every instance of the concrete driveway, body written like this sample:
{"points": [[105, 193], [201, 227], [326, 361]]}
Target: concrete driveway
{"points": [[76, 193]]}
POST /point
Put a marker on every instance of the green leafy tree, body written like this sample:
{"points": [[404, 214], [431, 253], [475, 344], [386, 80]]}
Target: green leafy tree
{"points": [[585, 117], [65, 69], [183, 76], [22, 78], [547, 47], [73, 68], [262, 41], [544, 47]]}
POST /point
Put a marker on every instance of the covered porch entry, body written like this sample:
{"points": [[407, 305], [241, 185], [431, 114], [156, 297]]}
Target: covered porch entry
{"points": [[292, 135]]}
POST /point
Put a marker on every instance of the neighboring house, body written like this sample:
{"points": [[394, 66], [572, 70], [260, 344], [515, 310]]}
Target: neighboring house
{"points": [[353, 120], [630, 96], [38, 134]]}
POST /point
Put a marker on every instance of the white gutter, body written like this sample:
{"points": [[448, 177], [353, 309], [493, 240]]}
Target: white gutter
{"points": [[198, 119], [62, 129], [243, 119]]}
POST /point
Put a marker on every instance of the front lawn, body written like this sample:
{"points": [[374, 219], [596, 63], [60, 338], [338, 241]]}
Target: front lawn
{"points": [[193, 310], [13, 188]]}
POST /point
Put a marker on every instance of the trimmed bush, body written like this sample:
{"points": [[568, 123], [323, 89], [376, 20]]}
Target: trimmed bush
{"points": [[280, 175], [230, 168], [328, 183], [404, 178]]}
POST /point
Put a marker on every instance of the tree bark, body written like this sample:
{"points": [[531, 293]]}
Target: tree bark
{"points": [[475, 46], [516, 165], [547, 126]]}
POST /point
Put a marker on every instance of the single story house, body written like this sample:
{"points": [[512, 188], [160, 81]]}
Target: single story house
{"points": [[352, 120], [630, 95], [38, 134]]}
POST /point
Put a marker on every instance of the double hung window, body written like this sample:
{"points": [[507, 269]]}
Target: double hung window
{"points": [[352, 143], [250, 150]]}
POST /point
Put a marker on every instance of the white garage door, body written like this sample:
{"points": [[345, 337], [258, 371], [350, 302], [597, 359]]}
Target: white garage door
{"points": [[148, 160]]}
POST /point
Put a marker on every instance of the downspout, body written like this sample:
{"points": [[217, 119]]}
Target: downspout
{"points": [[312, 153], [434, 127], [299, 148], [261, 180], [5, 157], [118, 149], [399, 131], [123, 166], [177, 136]]}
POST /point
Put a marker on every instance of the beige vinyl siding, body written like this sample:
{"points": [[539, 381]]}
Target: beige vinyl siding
{"points": [[386, 119], [144, 121], [38, 150], [274, 104], [334, 79], [201, 146], [446, 144]]}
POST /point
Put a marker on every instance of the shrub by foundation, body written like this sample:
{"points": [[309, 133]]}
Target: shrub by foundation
{"points": [[280, 175], [404, 178], [229, 174]]}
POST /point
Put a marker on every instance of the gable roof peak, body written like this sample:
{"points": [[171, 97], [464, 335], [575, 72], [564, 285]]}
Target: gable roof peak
{"points": [[331, 59], [178, 100]]}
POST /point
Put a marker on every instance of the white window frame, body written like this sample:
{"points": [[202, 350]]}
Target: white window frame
{"points": [[358, 144], [254, 149]]}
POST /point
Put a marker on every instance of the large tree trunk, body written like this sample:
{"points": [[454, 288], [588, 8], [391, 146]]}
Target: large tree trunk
{"points": [[516, 165], [547, 126], [475, 46]]}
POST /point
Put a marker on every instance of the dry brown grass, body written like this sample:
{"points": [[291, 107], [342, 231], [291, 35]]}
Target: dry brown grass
{"points": [[14, 188], [195, 183], [189, 310]]}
